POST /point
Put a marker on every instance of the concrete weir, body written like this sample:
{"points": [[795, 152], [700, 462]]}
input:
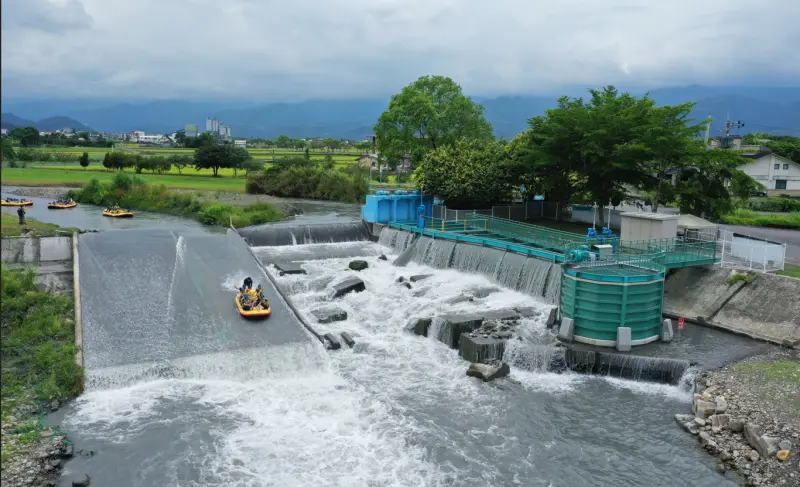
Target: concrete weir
{"points": [[153, 296], [488, 337]]}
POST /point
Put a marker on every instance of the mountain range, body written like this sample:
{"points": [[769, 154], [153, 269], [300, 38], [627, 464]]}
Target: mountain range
{"points": [[761, 109]]}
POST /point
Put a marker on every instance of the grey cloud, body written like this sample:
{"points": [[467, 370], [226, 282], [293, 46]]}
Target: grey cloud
{"points": [[51, 16], [341, 48]]}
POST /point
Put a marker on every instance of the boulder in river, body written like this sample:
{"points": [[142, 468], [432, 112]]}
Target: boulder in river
{"points": [[419, 277], [349, 285], [348, 339], [358, 265], [382, 257], [81, 480], [421, 326], [331, 341], [329, 315], [289, 268], [488, 372]]}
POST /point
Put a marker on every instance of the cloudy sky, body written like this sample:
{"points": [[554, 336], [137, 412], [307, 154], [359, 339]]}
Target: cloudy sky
{"points": [[273, 49]]}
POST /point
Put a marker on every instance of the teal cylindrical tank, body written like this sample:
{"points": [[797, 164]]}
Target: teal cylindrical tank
{"points": [[603, 298]]}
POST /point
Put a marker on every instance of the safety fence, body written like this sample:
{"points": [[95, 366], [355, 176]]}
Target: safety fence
{"points": [[738, 251]]}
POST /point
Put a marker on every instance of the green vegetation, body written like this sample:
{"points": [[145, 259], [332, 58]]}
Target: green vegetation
{"points": [[783, 370], [774, 205], [132, 192], [76, 177], [790, 270], [429, 113], [745, 277], [38, 346], [747, 217], [10, 227], [783, 145], [301, 178]]}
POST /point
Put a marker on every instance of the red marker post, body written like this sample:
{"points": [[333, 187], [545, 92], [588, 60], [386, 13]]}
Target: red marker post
{"points": [[680, 323]]}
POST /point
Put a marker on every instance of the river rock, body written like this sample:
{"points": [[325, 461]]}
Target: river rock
{"points": [[421, 326], [81, 480], [703, 409], [736, 426], [782, 455], [348, 339], [406, 285], [691, 427], [766, 446], [784, 445], [330, 314], [419, 277], [461, 298], [358, 265], [721, 467], [488, 372], [721, 405], [68, 451], [382, 257], [349, 285], [526, 311], [700, 421], [754, 456], [720, 420], [552, 317], [331, 341], [683, 418]]}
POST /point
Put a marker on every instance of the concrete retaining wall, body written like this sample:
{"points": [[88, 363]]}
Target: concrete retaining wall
{"points": [[51, 256], [766, 308]]}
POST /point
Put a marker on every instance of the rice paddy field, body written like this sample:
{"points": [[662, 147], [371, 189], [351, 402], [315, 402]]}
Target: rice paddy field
{"points": [[97, 153]]}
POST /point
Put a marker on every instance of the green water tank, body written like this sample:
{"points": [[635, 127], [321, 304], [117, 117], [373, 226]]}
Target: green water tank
{"points": [[600, 299]]}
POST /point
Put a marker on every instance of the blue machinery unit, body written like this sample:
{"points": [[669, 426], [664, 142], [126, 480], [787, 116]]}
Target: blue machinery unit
{"points": [[383, 207]]}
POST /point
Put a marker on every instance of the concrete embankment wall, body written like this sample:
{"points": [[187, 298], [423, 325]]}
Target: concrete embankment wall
{"points": [[51, 256], [765, 308]]}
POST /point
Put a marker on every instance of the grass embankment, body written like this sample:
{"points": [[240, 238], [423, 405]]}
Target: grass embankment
{"points": [[790, 270], [134, 193], [10, 227], [38, 354], [751, 218]]}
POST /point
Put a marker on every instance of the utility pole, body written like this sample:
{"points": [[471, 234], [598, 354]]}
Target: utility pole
{"points": [[708, 129], [726, 132]]}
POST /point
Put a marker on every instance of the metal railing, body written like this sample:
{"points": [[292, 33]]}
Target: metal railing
{"points": [[740, 251], [653, 262]]}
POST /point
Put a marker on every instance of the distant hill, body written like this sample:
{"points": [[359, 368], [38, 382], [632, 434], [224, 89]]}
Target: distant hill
{"points": [[11, 121], [762, 109]]}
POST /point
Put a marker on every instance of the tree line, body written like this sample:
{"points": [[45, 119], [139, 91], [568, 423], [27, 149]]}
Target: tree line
{"points": [[30, 137], [600, 149]]}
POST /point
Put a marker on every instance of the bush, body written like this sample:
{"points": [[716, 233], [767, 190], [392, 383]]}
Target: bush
{"points": [[774, 205], [310, 181], [38, 348], [747, 217], [131, 192]]}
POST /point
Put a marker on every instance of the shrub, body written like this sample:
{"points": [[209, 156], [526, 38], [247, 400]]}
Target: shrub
{"points": [[774, 205], [308, 180]]}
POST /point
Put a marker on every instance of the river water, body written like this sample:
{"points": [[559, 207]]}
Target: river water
{"points": [[396, 410]]}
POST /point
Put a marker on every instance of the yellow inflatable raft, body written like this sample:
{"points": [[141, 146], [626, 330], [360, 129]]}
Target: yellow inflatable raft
{"points": [[16, 203], [252, 313]]}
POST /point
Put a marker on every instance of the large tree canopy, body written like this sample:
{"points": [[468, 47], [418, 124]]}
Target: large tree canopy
{"points": [[430, 113], [469, 174]]}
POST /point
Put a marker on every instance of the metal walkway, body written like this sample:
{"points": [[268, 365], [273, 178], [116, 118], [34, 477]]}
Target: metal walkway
{"points": [[555, 245]]}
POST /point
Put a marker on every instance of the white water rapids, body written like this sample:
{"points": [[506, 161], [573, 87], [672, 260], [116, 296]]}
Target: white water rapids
{"points": [[396, 410]]}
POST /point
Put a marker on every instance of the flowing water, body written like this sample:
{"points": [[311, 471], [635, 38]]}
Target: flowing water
{"points": [[396, 410]]}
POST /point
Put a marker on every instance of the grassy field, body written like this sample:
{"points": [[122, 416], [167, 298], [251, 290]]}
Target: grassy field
{"points": [[76, 177], [10, 227], [790, 270]]}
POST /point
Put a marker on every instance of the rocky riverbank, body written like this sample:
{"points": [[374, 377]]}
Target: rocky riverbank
{"points": [[746, 415], [33, 454]]}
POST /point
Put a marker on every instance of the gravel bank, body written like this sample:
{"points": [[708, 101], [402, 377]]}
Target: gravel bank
{"points": [[748, 415]]}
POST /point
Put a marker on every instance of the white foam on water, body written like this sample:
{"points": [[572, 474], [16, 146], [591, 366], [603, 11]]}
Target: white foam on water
{"points": [[650, 388]]}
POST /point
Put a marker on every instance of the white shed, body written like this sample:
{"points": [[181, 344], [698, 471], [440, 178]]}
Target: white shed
{"points": [[637, 225]]}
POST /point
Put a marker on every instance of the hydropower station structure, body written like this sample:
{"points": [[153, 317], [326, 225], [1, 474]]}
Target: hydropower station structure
{"points": [[609, 288]]}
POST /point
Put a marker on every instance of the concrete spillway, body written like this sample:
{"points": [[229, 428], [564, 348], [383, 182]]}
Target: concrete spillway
{"points": [[290, 233], [153, 296]]}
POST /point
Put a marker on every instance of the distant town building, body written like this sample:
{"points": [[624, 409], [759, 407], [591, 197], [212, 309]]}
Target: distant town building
{"points": [[212, 125], [3, 132], [242, 144], [191, 130]]}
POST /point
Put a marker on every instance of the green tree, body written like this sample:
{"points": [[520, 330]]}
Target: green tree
{"points": [[363, 146], [179, 162], [237, 159], [429, 113], [702, 186], [8, 150], [27, 136], [180, 138], [283, 142], [306, 154], [468, 174], [667, 141], [219, 156], [84, 160], [117, 160], [107, 161]]}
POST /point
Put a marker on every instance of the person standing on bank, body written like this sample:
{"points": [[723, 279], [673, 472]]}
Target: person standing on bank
{"points": [[21, 214]]}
